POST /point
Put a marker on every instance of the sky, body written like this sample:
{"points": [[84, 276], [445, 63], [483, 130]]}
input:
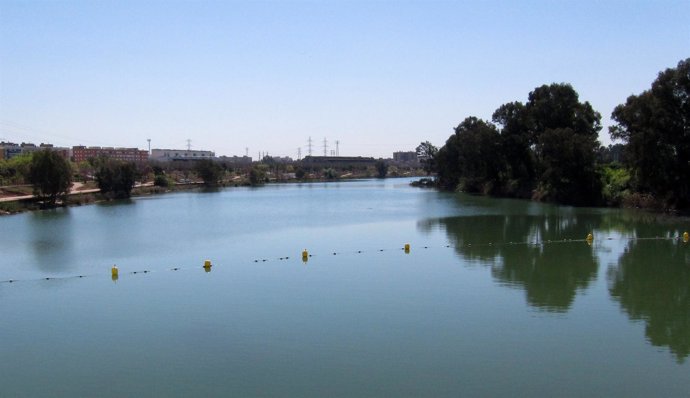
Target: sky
{"points": [[377, 77]]}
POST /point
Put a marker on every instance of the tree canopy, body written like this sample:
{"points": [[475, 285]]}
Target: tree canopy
{"points": [[655, 127], [51, 175], [209, 171], [545, 148], [116, 178]]}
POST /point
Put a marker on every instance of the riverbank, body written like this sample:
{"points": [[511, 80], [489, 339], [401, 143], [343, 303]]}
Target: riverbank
{"points": [[20, 202]]}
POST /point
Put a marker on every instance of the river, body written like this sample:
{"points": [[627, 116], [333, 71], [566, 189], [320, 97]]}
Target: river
{"points": [[494, 298]]}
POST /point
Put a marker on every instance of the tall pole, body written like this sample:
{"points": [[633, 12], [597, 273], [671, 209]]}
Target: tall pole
{"points": [[325, 147], [149, 140], [337, 148], [309, 146]]}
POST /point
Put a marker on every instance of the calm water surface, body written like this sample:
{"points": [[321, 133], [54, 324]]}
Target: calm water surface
{"points": [[495, 298]]}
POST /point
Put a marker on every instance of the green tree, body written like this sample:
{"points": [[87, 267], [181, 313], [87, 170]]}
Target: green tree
{"points": [[209, 171], [116, 179], [471, 159], [381, 169], [655, 126], [516, 146], [15, 170], [257, 174], [51, 175], [426, 153]]}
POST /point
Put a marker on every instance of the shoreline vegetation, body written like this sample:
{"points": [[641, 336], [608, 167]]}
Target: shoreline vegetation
{"points": [[547, 149]]}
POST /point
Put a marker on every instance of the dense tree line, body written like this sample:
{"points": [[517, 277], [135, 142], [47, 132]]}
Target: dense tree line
{"points": [[548, 148], [545, 148]]}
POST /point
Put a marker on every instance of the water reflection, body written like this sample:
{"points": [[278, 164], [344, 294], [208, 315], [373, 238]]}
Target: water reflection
{"points": [[652, 283], [550, 274], [51, 237]]}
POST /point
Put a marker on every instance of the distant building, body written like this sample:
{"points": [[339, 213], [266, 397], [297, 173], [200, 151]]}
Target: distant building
{"points": [[338, 161], [236, 160], [8, 150], [169, 155], [82, 153], [405, 157]]}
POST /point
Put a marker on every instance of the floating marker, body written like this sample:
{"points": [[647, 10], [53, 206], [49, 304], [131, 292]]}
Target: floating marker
{"points": [[590, 237], [114, 272], [207, 264], [407, 247], [686, 237], [305, 255]]}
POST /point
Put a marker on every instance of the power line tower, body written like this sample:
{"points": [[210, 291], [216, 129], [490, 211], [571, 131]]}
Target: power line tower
{"points": [[149, 140], [337, 148], [189, 144], [325, 146], [309, 146], [299, 153], [246, 151]]}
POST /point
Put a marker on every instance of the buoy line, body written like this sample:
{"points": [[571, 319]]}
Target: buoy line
{"points": [[306, 256]]}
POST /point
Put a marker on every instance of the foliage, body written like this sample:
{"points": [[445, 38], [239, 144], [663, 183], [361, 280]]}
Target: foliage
{"points": [[209, 171], [257, 175], [471, 157], [300, 173], [655, 126], [51, 175], [161, 180], [547, 146], [15, 171], [330, 174], [616, 185], [115, 178], [381, 169], [426, 153]]}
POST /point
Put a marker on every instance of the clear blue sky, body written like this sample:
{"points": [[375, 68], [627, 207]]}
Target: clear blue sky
{"points": [[377, 76]]}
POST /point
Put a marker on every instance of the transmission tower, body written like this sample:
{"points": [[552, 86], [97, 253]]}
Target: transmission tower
{"points": [[325, 146], [309, 146], [189, 144], [299, 153], [337, 148], [246, 151]]}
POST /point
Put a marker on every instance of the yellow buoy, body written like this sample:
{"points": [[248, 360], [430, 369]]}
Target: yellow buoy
{"points": [[686, 237], [207, 264], [114, 273], [590, 237], [305, 255], [407, 247]]}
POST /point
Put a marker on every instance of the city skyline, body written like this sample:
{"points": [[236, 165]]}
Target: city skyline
{"points": [[378, 77]]}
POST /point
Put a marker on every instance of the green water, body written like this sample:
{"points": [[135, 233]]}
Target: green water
{"points": [[495, 298]]}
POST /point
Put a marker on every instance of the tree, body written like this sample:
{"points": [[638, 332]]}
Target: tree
{"points": [[115, 178], [209, 171], [257, 175], [565, 133], [426, 153], [381, 168], [51, 175], [655, 126], [545, 148], [471, 160], [516, 146]]}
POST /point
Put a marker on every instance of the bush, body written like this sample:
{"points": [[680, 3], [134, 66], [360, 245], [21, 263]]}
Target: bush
{"points": [[161, 181]]}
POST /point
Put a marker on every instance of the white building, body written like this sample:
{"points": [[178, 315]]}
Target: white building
{"points": [[166, 155]]}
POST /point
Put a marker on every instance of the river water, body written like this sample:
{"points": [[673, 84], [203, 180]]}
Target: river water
{"points": [[494, 298]]}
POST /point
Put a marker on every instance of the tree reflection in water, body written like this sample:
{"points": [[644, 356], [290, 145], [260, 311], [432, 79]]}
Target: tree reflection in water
{"points": [[651, 280], [550, 274], [652, 283]]}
